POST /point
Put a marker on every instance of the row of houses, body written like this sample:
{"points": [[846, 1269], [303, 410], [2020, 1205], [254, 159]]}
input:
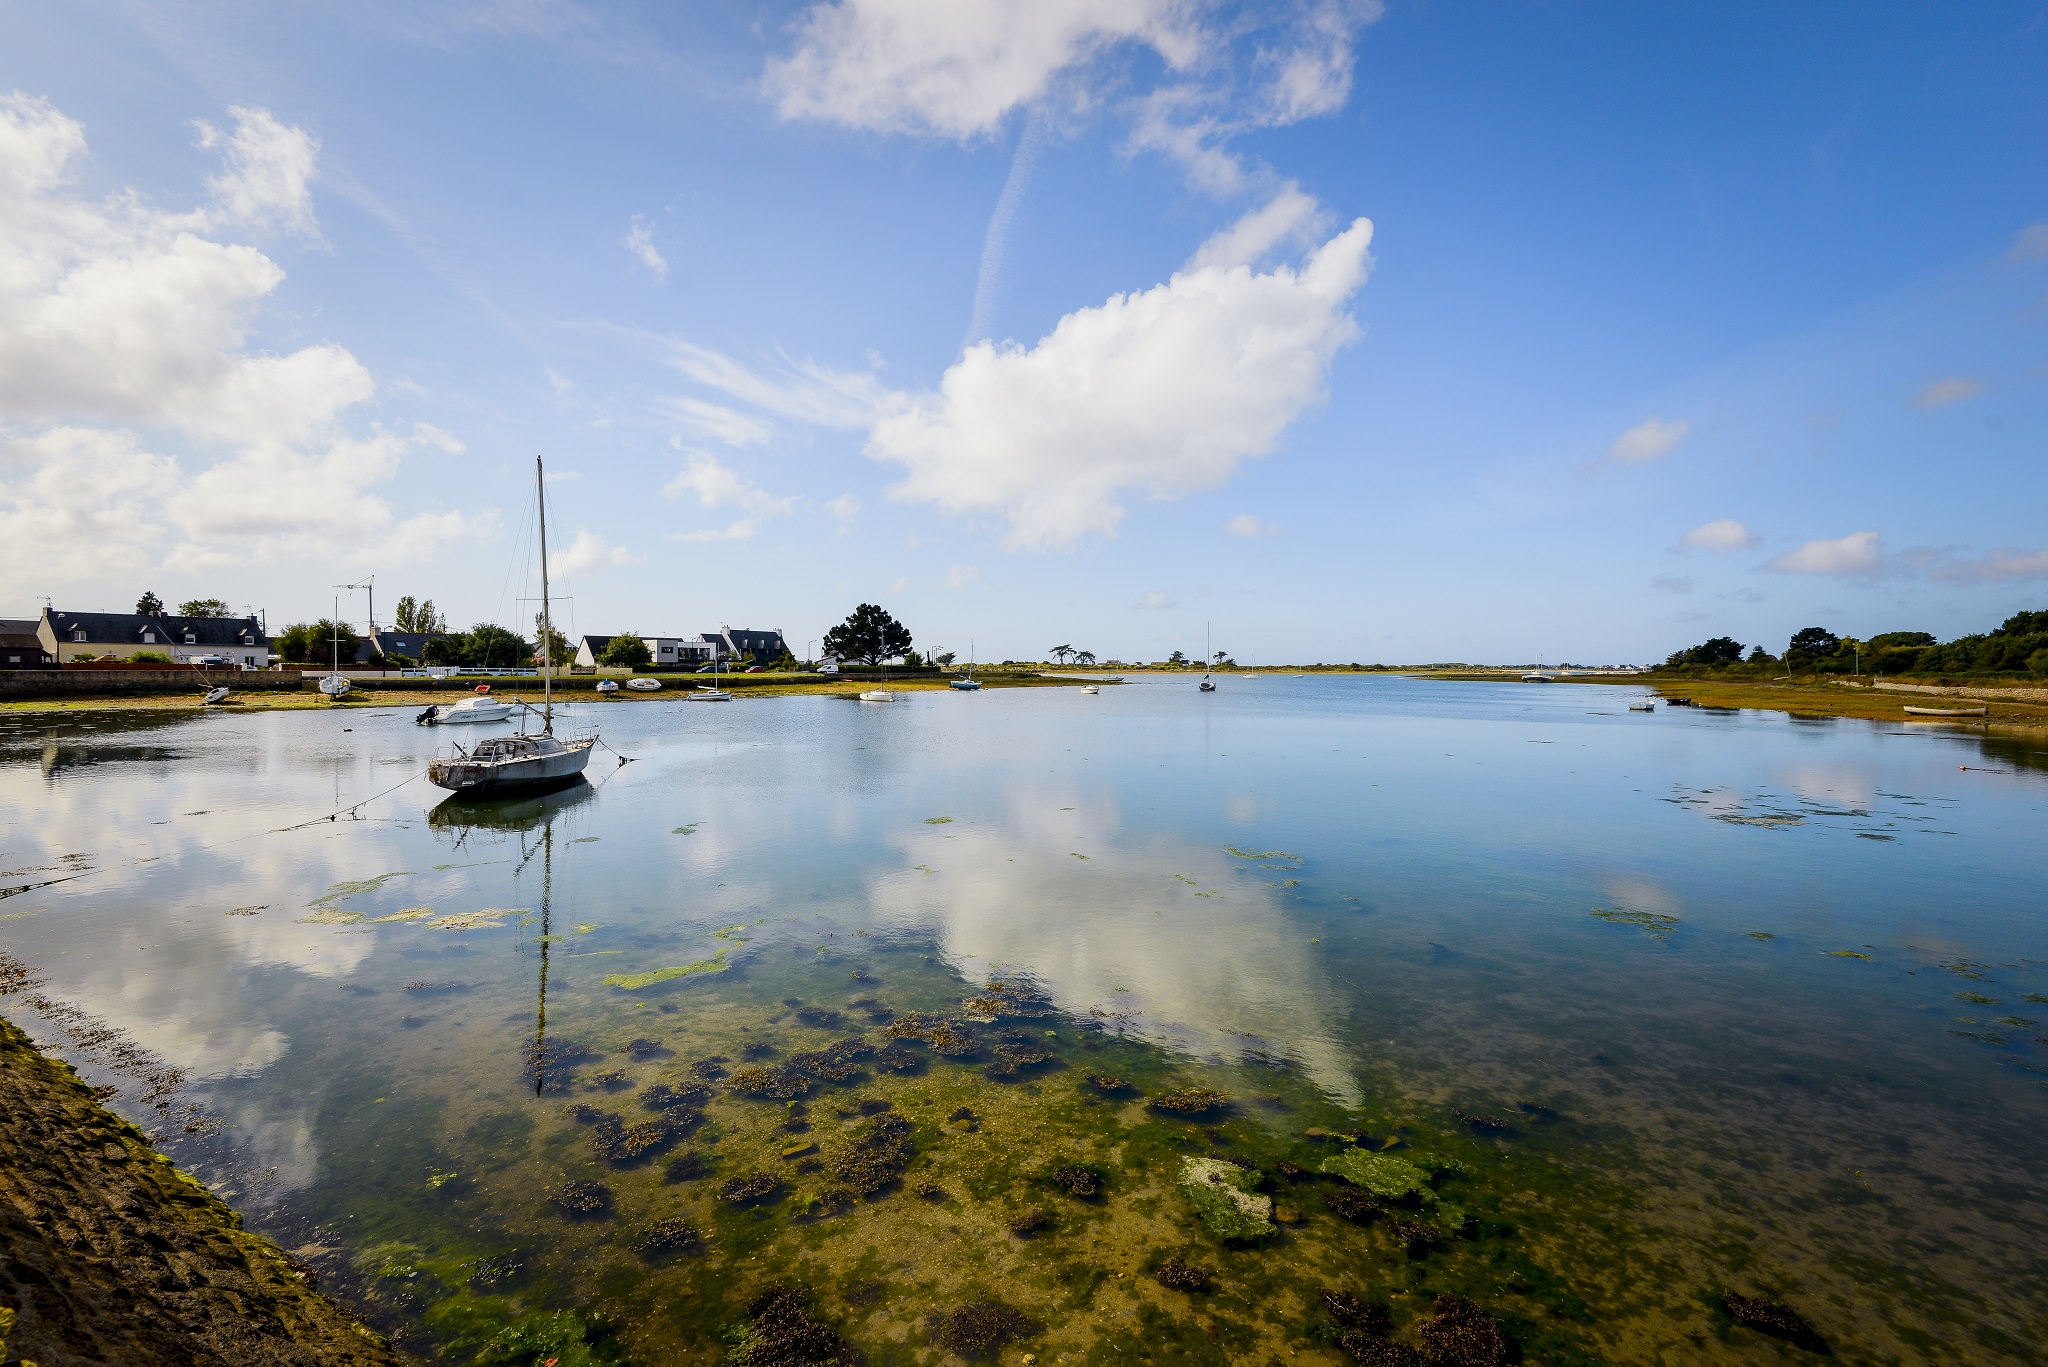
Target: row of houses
{"points": [[741, 646], [57, 637], [241, 642]]}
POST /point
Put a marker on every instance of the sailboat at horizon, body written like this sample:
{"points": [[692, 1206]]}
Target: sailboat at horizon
{"points": [[1208, 685], [514, 765], [967, 683]]}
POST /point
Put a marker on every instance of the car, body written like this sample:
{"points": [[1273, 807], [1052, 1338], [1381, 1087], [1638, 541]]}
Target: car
{"points": [[704, 669], [755, 669]]}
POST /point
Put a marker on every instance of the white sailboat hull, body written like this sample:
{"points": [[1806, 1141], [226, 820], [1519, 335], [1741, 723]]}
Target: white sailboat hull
{"points": [[472, 710]]}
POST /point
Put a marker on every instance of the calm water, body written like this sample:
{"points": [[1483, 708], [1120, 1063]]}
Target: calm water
{"points": [[1761, 1005]]}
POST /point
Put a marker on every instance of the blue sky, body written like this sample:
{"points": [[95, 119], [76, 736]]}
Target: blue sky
{"points": [[1394, 333]]}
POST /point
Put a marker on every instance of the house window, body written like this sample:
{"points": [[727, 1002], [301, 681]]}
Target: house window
{"points": [[190, 639], [78, 633], [14, 659], [148, 637]]}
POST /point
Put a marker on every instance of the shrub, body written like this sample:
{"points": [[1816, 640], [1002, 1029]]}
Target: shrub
{"points": [[148, 657]]}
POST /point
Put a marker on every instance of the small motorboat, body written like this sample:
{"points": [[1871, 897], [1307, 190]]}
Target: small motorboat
{"points": [[1090, 688], [708, 693], [472, 710], [1948, 711], [607, 685], [1642, 707], [215, 696], [644, 685], [878, 695]]}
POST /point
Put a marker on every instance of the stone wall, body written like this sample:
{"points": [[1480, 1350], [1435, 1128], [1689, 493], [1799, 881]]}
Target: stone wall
{"points": [[130, 680]]}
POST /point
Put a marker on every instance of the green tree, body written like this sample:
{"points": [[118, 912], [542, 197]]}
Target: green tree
{"points": [[1759, 656], [944, 658], [2037, 663], [150, 657], [1084, 657], [868, 635], [490, 646], [204, 607], [626, 652], [407, 613], [149, 605], [1722, 650], [418, 615], [1810, 645], [313, 643], [1177, 659], [559, 649], [1059, 653]]}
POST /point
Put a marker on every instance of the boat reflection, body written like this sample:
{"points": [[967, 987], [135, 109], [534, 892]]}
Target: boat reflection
{"points": [[461, 814]]}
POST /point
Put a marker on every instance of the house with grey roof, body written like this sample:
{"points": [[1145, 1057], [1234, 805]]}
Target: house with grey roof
{"points": [[20, 647], [237, 641]]}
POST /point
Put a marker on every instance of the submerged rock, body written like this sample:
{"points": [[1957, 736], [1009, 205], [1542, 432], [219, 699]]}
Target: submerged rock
{"points": [[665, 1238], [1460, 1334], [1076, 1179], [751, 1189], [1224, 1196], [780, 1332], [980, 1328], [1190, 1102], [876, 1158], [1777, 1319], [581, 1199], [775, 1084], [1179, 1276]]}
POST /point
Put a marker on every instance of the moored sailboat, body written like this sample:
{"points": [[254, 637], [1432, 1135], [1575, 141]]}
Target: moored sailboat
{"points": [[511, 765]]}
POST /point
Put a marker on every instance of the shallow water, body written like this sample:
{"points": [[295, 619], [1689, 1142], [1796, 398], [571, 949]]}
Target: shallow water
{"points": [[1668, 1004]]}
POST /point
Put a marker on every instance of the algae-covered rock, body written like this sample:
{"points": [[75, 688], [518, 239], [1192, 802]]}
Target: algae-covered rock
{"points": [[1382, 1174], [1223, 1196]]}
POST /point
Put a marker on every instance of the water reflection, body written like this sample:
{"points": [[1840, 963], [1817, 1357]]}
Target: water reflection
{"points": [[1183, 944]]}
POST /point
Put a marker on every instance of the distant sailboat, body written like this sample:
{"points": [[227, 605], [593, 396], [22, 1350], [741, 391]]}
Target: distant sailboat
{"points": [[336, 683], [968, 684], [1208, 685], [520, 764]]}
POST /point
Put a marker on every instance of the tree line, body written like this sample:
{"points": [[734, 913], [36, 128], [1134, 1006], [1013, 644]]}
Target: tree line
{"points": [[2018, 645]]}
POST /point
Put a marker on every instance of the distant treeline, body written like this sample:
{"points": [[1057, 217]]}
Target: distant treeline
{"points": [[2018, 646]]}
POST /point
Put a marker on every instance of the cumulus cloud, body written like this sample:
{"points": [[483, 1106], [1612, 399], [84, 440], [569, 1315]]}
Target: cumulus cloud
{"points": [[845, 507], [116, 316], [739, 529], [1288, 217], [1651, 439], [640, 241], [960, 576], [1722, 534], [955, 69], [1859, 554], [1248, 525], [589, 551], [1163, 392], [1950, 389]]}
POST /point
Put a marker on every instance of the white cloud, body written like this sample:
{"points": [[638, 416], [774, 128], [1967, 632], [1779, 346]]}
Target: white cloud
{"points": [[589, 551], [715, 485], [1163, 392], [2002, 566], [1248, 525], [1288, 217], [639, 240], [955, 68], [1648, 440], [2031, 244], [960, 576], [1156, 601], [1857, 554], [1313, 76], [738, 530], [1722, 534], [116, 316], [900, 586], [1950, 389], [845, 507], [445, 442], [270, 167], [718, 422]]}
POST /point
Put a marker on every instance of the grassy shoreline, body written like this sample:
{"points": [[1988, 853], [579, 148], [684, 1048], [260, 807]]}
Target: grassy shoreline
{"points": [[1810, 697]]}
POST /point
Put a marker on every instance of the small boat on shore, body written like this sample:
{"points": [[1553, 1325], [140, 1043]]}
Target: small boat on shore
{"points": [[644, 685], [1090, 688], [214, 697], [1948, 711], [1539, 678], [1642, 707], [335, 685], [607, 685]]}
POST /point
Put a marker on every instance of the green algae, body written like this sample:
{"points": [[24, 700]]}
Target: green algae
{"points": [[1976, 997], [684, 830], [331, 916], [938, 821], [1762, 935], [585, 927], [1379, 1173], [490, 918], [633, 982], [1261, 854], [408, 914], [1654, 924], [1226, 1199], [1848, 954], [356, 888]]}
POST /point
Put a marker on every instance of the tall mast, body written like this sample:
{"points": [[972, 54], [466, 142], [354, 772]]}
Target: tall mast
{"points": [[547, 622]]}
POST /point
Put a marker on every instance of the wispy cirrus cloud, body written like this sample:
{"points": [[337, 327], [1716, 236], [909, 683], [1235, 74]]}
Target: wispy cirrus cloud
{"points": [[1947, 390], [639, 240]]}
